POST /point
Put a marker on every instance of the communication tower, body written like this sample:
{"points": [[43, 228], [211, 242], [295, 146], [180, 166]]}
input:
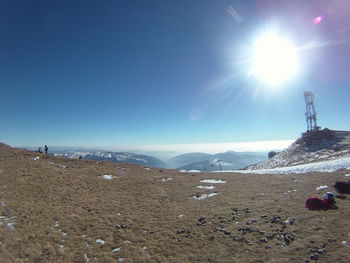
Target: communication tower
{"points": [[311, 119]]}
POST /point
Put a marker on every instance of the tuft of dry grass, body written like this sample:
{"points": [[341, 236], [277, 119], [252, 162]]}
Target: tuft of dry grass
{"points": [[60, 210]]}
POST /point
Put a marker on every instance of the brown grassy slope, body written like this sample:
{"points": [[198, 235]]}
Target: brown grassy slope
{"points": [[58, 212]]}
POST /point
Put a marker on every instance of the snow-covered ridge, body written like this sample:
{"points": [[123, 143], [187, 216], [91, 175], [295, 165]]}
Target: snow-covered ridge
{"points": [[325, 166], [313, 146]]}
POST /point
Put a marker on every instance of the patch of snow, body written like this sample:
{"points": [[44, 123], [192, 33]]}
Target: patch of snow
{"points": [[127, 242], [62, 232], [36, 158], [116, 249], [347, 175], [321, 187], [100, 241], [167, 179], [206, 186], [344, 243], [204, 196], [10, 226], [51, 163], [180, 216], [141, 160], [62, 166], [325, 166], [147, 168], [2, 204], [145, 248], [213, 181], [4, 221], [86, 259], [189, 171], [61, 247], [107, 176], [121, 259]]}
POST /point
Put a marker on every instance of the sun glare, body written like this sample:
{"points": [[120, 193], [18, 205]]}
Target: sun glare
{"points": [[275, 59]]}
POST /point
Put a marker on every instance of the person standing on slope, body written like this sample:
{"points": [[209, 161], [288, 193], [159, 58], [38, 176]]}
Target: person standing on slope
{"points": [[46, 149]]}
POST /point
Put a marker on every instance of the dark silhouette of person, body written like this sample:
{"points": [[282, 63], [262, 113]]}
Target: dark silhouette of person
{"points": [[46, 149]]}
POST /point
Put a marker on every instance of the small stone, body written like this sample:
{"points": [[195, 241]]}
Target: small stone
{"points": [[321, 251], [314, 257], [251, 221], [201, 219], [263, 240], [181, 231], [226, 232]]}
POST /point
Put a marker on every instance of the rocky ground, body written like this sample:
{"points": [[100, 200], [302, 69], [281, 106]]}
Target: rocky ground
{"points": [[313, 146], [54, 209]]}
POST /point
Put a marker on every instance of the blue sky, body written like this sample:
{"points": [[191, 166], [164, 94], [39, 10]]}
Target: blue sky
{"points": [[132, 73]]}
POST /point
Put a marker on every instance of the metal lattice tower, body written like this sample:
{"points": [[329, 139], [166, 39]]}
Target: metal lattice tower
{"points": [[310, 113]]}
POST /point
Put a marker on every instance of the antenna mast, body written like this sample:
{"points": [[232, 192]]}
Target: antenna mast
{"points": [[310, 113]]}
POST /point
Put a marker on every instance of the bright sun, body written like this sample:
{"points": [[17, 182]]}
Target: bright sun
{"points": [[275, 59]]}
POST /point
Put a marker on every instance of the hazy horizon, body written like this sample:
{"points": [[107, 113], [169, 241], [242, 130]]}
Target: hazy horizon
{"points": [[176, 149]]}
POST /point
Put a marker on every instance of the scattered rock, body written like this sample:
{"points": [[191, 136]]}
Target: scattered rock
{"points": [[121, 226], [181, 231], [251, 221], [201, 219]]}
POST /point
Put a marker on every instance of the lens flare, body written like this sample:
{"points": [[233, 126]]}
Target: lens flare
{"points": [[274, 59], [317, 20]]}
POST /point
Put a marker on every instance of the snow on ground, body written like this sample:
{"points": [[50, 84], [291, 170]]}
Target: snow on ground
{"points": [[189, 171], [107, 176], [100, 241], [326, 166], [7, 222], [213, 181], [322, 187], [206, 186], [167, 179], [204, 196]]}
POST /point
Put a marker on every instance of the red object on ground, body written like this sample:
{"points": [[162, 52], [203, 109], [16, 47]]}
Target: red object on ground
{"points": [[314, 203]]}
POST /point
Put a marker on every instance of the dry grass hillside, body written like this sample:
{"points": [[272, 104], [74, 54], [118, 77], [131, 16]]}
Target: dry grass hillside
{"points": [[54, 209]]}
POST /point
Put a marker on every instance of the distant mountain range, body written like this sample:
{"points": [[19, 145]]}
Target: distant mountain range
{"points": [[117, 157], [189, 161]]}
